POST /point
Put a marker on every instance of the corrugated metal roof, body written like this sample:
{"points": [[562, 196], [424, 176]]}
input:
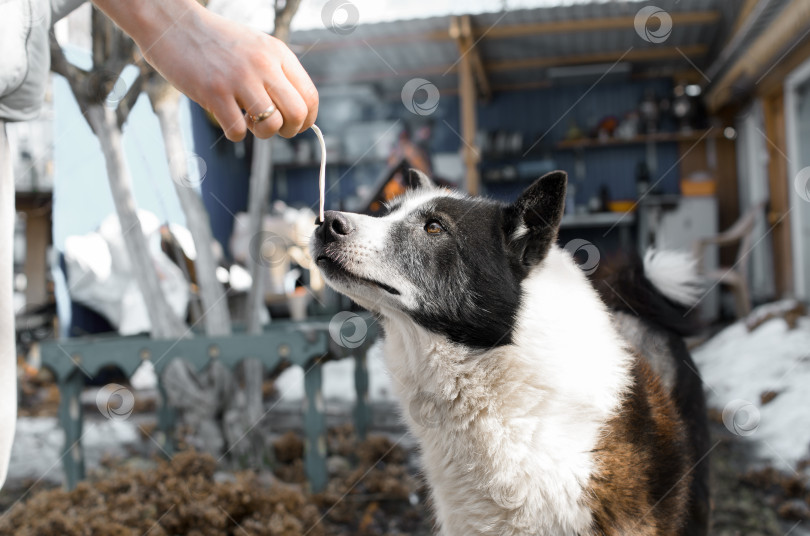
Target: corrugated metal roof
{"points": [[311, 13], [388, 53], [726, 56]]}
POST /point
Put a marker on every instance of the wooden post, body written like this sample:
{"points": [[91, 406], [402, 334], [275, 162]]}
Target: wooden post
{"points": [[460, 27], [37, 239], [774, 112]]}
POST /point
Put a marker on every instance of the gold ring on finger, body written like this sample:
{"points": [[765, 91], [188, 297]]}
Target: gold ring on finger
{"points": [[263, 115]]}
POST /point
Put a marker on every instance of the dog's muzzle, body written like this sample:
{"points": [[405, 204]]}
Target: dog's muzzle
{"points": [[335, 227]]}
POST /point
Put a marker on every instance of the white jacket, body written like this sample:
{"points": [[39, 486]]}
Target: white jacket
{"points": [[24, 63], [25, 54]]}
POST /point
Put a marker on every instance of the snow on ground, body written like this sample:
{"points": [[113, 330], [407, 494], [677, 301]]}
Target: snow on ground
{"points": [[737, 367], [38, 443], [338, 380]]}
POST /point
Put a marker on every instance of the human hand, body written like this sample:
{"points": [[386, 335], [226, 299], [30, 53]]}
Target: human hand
{"points": [[222, 65]]}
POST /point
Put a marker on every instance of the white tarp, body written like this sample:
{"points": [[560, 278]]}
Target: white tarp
{"points": [[99, 275], [285, 238]]}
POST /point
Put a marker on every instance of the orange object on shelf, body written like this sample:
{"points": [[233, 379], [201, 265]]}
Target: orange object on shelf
{"points": [[622, 205], [698, 188]]}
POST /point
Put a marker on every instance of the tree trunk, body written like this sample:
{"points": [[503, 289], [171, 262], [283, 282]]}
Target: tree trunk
{"points": [[261, 171], [165, 101], [165, 324], [260, 185]]}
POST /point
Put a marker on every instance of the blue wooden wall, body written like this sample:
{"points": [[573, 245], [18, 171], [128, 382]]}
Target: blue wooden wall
{"points": [[550, 112], [225, 186]]}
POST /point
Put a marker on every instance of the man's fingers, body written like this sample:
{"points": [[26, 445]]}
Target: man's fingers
{"points": [[290, 103], [301, 81], [285, 86], [230, 118], [267, 127], [260, 103]]}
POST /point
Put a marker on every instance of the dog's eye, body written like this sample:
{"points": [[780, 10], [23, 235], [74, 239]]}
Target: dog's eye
{"points": [[433, 227]]}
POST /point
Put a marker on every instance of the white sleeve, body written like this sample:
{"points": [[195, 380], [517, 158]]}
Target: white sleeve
{"points": [[8, 349], [63, 8]]}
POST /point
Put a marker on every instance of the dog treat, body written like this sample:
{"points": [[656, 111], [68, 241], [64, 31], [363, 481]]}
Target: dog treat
{"points": [[322, 175]]}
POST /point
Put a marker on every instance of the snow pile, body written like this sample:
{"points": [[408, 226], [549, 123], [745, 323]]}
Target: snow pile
{"points": [[338, 380], [39, 442], [742, 370]]}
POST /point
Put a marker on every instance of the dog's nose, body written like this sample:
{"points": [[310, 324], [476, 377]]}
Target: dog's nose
{"points": [[335, 226]]}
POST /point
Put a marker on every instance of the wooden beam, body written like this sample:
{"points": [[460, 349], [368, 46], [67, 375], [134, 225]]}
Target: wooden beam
{"points": [[461, 30], [509, 31], [635, 55], [759, 58], [774, 80], [745, 12], [593, 25]]}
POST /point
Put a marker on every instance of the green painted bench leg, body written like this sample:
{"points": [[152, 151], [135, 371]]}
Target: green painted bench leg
{"points": [[166, 420], [362, 414], [70, 415], [315, 429]]}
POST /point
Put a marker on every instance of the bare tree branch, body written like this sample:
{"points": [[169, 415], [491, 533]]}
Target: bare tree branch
{"points": [[128, 102], [285, 10], [77, 78]]}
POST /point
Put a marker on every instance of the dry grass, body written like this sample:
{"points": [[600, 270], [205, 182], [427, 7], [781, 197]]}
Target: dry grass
{"points": [[368, 494]]}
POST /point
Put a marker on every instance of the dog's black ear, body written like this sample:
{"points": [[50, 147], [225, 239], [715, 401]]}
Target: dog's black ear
{"points": [[532, 222], [417, 179]]}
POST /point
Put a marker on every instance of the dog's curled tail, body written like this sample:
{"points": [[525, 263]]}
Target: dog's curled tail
{"points": [[663, 288], [674, 274]]}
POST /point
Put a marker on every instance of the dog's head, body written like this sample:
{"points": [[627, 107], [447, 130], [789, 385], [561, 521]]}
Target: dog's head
{"points": [[452, 263]]}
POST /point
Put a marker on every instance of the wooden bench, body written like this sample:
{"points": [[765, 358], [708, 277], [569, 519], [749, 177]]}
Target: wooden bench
{"points": [[307, 344]]}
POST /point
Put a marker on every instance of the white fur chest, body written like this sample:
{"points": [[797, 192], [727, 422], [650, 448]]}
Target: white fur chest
{"points": [[506, 434]]}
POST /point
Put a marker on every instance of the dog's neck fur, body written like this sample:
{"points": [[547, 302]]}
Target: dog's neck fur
{"points": [[507, 434]]}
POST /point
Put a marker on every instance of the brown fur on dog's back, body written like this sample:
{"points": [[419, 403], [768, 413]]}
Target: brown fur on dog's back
{"points": [[641, 483], [653, 324]]}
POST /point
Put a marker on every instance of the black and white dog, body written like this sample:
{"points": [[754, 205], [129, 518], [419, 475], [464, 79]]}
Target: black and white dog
{"points": [[534, 410]]}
